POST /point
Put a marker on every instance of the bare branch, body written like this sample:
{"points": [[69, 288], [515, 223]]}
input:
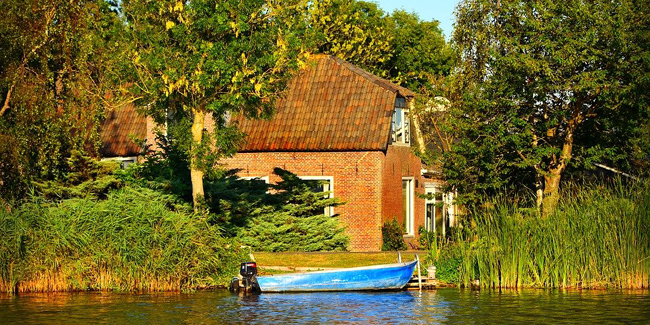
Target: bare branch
{"points": [[6, 103]]}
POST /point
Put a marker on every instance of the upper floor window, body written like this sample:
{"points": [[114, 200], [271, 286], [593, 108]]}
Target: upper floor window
{"points": [[400, 125]]}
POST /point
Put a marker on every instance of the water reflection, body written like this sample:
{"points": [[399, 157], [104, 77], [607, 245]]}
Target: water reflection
{"points": [[447, 306]]}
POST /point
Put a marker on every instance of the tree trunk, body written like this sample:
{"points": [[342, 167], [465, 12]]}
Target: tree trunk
{"points": [[551, 192], [195, 173], [554, 175]]}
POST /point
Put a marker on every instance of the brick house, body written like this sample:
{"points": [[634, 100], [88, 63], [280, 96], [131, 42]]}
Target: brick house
{"points": [[341, 124], [336, 123]]}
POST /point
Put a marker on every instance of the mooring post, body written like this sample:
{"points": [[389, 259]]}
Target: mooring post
{"points": [[419, 273]]}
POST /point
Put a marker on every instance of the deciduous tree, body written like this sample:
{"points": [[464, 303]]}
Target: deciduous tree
{"points": [[55, 66], [546, 84], [206, 56]]}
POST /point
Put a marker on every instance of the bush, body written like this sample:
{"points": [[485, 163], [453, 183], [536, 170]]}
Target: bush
{"points": [[392, 236], [293, 219], [448, 264], [135, 239]]}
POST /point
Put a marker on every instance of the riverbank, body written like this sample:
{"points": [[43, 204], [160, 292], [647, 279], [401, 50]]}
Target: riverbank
{"points": [[135, 239], [598, 237]]}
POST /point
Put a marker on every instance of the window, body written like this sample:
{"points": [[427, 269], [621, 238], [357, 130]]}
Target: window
{"points": [[407, 206], [400, 125], [124, 161], [257, 184], [437, 217], [257, 178], [324, 184]]}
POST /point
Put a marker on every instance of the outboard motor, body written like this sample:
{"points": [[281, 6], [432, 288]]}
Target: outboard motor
{"points": [[247, 282]]}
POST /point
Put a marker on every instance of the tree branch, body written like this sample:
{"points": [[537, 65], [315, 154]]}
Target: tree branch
{"points": [[6, 103]]}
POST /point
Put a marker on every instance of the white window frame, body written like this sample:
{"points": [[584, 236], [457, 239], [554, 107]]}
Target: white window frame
{"points": [[448, 208], [329, 211], [410, 216], [430, 192], [250, 178], [401, 134], [124, 161]]}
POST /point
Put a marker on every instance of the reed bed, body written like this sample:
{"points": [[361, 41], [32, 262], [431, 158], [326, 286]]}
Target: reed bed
{"points": [[134, 240], [597, 238]]}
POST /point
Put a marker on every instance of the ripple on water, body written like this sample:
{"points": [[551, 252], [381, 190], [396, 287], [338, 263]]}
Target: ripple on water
{"points": [[445, 306]]}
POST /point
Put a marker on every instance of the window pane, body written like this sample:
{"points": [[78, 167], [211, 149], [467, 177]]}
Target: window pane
{"points": [[407, 135], [431, 217], [405, 204], [439, 213], [400, 102], [407, 209], [398, 118]]}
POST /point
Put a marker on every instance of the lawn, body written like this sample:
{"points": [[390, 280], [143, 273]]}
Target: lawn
{"points": [[330, 259]]}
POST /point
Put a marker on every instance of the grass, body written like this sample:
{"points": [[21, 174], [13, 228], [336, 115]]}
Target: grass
{"points": [[599, 237], [134, 240], [329, 259]]}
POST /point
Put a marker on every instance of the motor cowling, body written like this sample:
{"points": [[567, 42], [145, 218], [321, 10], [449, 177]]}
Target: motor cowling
{"points": [[248, 269], [248, 281]]}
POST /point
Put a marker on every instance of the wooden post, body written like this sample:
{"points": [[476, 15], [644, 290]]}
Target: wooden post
{"points": [[419, 273], [399, 257]]}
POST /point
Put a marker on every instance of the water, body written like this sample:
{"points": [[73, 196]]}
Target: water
{"points": [[444, 306]]}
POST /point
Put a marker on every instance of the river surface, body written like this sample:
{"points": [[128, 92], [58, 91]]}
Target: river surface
{"points": [[443, 306]]}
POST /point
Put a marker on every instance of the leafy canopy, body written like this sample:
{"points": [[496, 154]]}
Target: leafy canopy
{"points": [[544, 85], [55, 68], [397, 46], [215, 55]]}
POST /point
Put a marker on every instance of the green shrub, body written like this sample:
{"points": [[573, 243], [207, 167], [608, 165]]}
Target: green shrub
{"points": [[448, 264], [293, 219], [392, 236]]}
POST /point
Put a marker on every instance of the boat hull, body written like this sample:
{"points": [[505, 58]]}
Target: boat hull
{"points": [[380, 277]]}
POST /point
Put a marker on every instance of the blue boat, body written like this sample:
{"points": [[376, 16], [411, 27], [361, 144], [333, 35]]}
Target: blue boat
{"points": [[377, 277]]}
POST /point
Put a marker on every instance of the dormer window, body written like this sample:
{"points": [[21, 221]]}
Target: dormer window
{"points": [[400, 125]]}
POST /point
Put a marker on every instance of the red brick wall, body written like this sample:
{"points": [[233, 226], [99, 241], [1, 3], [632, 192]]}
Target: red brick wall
{"points": [[357, 181], [401, 162]]}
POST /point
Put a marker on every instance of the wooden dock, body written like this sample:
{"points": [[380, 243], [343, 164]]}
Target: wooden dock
{"points": [[427, 284]]}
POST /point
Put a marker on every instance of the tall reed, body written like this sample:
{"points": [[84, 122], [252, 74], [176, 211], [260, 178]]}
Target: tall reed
{"points": [[599, 236], [134, 240]]}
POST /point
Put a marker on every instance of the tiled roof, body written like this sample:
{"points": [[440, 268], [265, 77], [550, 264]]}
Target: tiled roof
{"points": [[121, 126], [331, 105]]}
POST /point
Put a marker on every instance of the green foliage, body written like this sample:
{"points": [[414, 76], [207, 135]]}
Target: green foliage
{"points": [[420, 52], [428, 239], [443, 254], [136, 239], [392, 236], [234, 202], [217, 57], [294, 220], [544, 86], [599, 236], [54, 70], [87, 177], [281, 217], [400, 47], [356, 31], [449, 264]]}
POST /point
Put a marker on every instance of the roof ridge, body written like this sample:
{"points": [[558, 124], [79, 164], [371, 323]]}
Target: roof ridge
{"points": [[379, 81]]}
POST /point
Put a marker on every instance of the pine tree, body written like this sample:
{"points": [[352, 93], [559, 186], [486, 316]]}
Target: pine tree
{"points": [[298, 222]]}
